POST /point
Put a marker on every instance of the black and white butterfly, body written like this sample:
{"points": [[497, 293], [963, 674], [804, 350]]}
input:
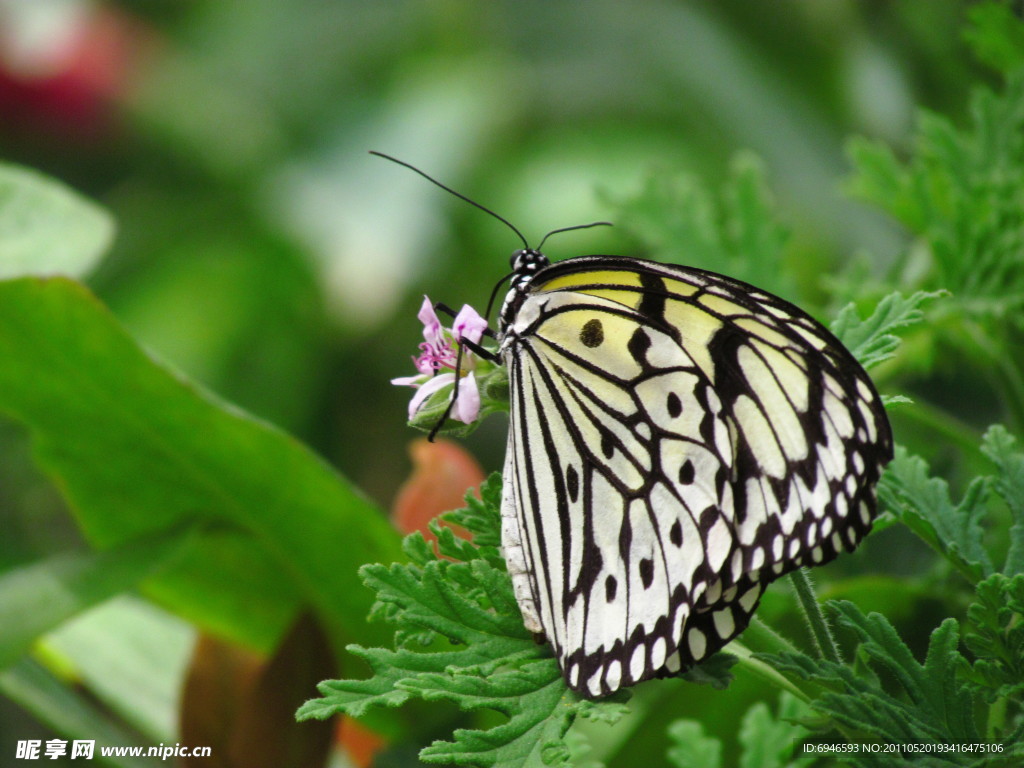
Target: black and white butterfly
{"points": [[678, 440]]}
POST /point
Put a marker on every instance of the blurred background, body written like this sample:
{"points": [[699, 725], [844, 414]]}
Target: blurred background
{"points": [[263, 252]]}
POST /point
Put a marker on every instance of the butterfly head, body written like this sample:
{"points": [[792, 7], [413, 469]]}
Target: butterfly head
{"points": [[527, 261]]}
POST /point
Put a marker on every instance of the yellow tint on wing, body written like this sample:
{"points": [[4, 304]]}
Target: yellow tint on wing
{"points": [[586, 282]]}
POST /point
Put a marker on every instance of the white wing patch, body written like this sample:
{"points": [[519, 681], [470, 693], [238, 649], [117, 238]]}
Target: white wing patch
{"points": [[677, 441]]}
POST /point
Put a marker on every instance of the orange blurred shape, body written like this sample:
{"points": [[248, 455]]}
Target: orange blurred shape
{"points": [[359, 742], [442, 472]]}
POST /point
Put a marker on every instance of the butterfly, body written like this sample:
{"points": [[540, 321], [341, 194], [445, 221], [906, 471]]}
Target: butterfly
{"points": [[678, 439]]}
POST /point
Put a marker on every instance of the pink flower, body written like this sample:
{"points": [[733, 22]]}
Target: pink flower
{"points": [[437, 360]]}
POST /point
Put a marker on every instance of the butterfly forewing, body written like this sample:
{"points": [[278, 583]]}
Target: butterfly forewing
{"points": [[678, 439]]}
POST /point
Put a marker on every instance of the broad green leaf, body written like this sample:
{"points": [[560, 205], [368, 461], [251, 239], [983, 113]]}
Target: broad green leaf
{"points": [[69, 713], [136, 449], [132, 656], [37, 598], [47, 228]]}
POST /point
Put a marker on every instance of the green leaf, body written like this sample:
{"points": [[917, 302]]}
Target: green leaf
{"points": [[497, 665], [136, 449], [769, 741], [962, 193], [923, 504], [539, 707], [37, 598], [926, 703], [995, 635], [47, 228], [996, 35], [114, 646], [691, 748], [69, 713], [715, 671], [872, 340], [478, 516], [1001, 448], [679, 220]]}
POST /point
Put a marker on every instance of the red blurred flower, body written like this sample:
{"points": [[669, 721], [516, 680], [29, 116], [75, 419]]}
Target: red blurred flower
{"points": [[442, 473], [63, 71]]}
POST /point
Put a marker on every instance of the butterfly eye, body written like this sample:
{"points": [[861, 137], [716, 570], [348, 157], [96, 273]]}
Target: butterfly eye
{"points": [[517, 260]]}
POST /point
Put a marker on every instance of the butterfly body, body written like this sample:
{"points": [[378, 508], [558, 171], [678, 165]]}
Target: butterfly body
{"points": [[678, 439]]}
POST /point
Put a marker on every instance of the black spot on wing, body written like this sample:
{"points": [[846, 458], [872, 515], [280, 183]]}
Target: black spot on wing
{"points": [[674, 405], [647, 572], [572, 482], [611, 586], [592, 333], [675, 534], [638, 345]]}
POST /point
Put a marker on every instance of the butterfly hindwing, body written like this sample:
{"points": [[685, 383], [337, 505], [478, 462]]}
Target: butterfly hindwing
{"points": [[678, 439]]}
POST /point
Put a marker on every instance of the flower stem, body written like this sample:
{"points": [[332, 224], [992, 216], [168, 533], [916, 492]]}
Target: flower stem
{"points": [[821, 635]]}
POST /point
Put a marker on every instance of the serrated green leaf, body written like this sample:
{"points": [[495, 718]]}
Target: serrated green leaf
{"points": [[1001, 448], [497, 664], [715, 671], [47, 228], [995, 635], [533, 734], [426, 599], [872, 340], [771, 742], [691, 748], [960, 193], [481, 516], [929, 704], [923, 504], [678, 219]]}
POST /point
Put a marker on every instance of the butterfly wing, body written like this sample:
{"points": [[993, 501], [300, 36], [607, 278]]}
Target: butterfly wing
{"points": [[678, 439]]}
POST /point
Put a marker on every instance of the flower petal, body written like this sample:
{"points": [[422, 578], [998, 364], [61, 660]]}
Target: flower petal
{"points": [[408, 381], [467, 404], [432, 331], [469, 325], [430, 387]]}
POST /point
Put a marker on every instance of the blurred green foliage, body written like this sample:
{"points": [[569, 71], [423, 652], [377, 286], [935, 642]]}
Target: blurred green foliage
{"points": [[262, 253]]}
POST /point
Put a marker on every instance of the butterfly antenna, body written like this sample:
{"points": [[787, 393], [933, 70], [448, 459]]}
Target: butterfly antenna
{"points": [[570, 229], [446, 188]]}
